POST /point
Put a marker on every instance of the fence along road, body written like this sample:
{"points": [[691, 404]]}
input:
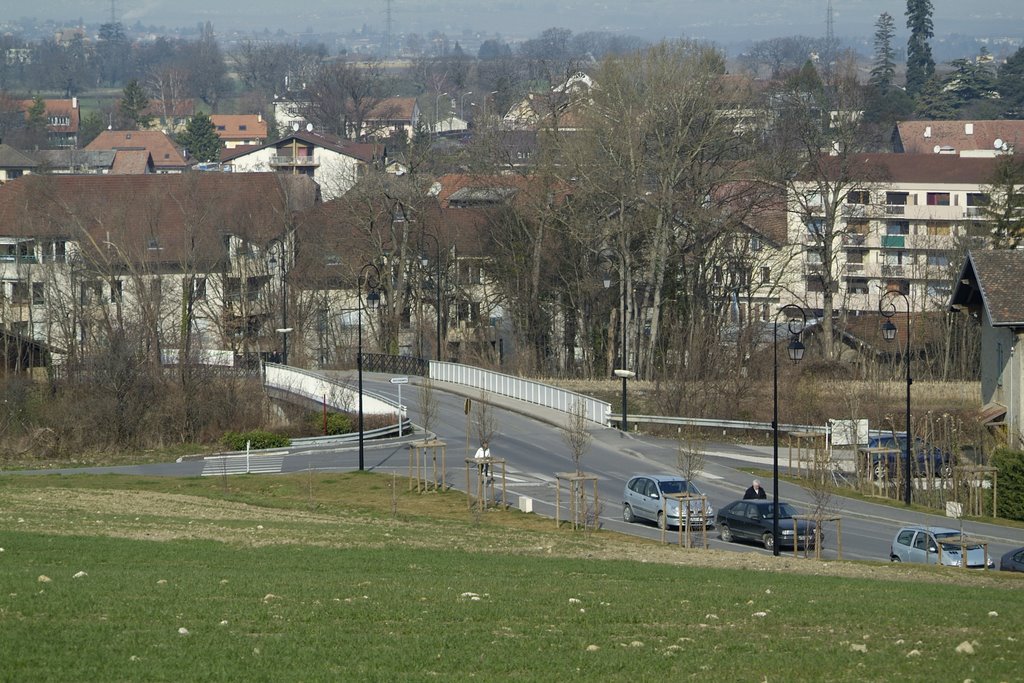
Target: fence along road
{"points": [[521, 389]]}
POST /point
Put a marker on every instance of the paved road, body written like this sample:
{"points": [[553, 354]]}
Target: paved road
{"points": [[529, 438]]}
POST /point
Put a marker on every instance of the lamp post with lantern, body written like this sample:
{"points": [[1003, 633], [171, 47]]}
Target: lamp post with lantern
{"points": [[796, 320]]}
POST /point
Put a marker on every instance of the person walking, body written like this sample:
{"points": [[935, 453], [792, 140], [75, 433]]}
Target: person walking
{"points": [[755, 491], [483, 455]]}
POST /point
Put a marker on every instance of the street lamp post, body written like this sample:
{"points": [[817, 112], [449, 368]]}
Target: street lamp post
{"points": [[277, 247], [887, 307], [437, 109], [622, 371], [462, 104], [372, 299], [796, 321], [425, 261]]}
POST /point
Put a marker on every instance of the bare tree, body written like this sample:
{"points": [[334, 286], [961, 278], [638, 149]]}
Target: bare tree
{"points": [[576, 434]]}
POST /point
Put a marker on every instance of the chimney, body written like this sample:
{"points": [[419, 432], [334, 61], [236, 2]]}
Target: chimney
{"points": [[968, 129], [259, 117], [74, 103]]}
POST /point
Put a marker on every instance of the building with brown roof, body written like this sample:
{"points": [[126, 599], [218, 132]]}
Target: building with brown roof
{"points": [[900, 220], [964, 138], [63, 118], [167, 158], [989, 290], [80, 251], [335, 164], [238, 130], [170, 116]]}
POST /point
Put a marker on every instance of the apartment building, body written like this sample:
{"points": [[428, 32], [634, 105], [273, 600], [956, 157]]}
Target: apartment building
{"points": [[901, 221]]}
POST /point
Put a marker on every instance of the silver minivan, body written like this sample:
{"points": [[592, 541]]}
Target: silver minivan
{"points": [[937, 545], [644, 497]]}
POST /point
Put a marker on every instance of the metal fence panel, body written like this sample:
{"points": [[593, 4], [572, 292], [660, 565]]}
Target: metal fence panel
{"points": [[519, 388]]}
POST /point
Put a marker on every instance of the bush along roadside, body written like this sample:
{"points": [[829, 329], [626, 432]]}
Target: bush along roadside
{"points": [[255, 439]]}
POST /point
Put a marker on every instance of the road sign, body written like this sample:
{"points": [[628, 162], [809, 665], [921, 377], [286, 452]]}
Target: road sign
{"points": [[399, 380]]}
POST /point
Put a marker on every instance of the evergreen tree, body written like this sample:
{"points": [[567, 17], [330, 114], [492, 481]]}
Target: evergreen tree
{"points": [[200, 138], [933, 102], [1011, 85], [883, 71], [35, 117], [89, 127], [1005, 210], [920, 64], [133, 103]]}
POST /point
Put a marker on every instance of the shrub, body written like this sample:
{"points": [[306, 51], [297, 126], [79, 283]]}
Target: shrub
{"points": [[1010, 482], [257, 439], [337, 423]]}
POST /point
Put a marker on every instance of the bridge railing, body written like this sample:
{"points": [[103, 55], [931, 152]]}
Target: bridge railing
{"points": [[317, 388], [521, 389]]}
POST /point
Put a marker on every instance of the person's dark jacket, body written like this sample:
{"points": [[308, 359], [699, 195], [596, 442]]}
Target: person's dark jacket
{"points": [[751, 492]]}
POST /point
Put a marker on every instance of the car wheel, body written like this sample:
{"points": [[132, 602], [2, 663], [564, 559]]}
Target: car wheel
{"points": [[725, 533], [768, 540], [879, 471], [627, 514], [893, 558]]}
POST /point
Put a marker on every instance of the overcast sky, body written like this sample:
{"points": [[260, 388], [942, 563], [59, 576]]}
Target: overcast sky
{"points": [[720, 20]]}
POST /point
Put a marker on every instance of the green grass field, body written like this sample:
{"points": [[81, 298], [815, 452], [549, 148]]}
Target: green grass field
{"points": [[350, 577]]}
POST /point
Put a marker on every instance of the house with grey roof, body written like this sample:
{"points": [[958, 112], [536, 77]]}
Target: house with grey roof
{"points": [[14, 164], [989, 289]]}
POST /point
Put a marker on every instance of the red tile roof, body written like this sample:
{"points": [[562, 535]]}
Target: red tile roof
{"points": [[240, 126], [911, 168], [958, 135], [176, 219], [165, 155], [66, 108], [393, 109]]}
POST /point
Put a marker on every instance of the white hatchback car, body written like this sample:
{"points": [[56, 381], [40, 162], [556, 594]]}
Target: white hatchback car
{"points": [[649, 496], [937, 545]]}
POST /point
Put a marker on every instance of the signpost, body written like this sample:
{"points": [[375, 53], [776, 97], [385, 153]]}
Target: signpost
{"points": [[401, 409]]}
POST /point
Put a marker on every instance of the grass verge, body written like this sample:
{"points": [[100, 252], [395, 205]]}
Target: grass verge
{"points": [[352, 577]]}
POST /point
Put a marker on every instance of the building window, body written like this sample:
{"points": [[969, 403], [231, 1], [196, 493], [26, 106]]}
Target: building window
{"points": [[938, 229], [858, 286], [766, 275], [755, 244], [999, 364], [858, 197], [198, 288], [938, 199], [897, 228], [938, 260], [153, 244], [116, 290], [978, 199], [814, 257], [815, 227], [942, 292], [242, 126]]}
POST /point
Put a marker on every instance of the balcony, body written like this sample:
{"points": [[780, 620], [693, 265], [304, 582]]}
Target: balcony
{"points": [[290, 161], [895, 209], [854, 267], [854, 239], [893, 271], [974, 212], [893, 241], [854, 210]]}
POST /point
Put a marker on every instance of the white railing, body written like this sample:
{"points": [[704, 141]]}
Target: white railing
{"points": [[520, 389], [319, 389]]}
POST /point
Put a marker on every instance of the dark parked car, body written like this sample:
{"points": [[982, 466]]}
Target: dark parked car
{"points": [[927, 459], [644, 498], [1013, 561], [752, 520]]}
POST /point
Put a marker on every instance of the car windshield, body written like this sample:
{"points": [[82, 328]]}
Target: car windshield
{"points": [[951, 541], [785, 511], [678, 486]]}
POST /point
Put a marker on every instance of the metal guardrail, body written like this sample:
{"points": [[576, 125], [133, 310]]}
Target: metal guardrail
{"points": [[720, 424], [520, 389], [242, 464]]}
